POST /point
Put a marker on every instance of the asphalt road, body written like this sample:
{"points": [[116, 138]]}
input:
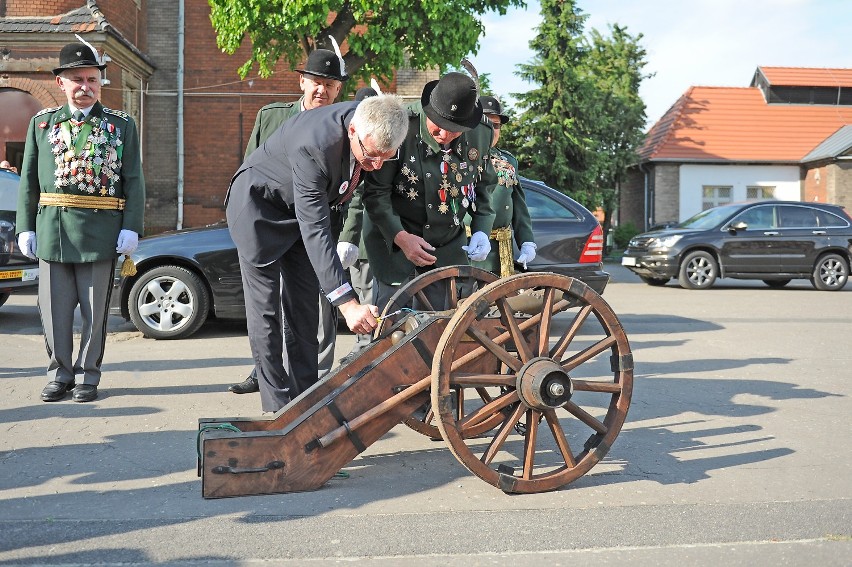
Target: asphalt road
{"points": [[734, 452]]}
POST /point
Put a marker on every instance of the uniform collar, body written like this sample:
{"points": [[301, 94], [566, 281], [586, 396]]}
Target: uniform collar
{"points": [[93, 116]]}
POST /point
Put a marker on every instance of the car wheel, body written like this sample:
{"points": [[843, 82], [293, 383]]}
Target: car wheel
{"points": [[830, 273], [3, 298], [698, 271], [168, 302], [654, 281], [776, 283]]}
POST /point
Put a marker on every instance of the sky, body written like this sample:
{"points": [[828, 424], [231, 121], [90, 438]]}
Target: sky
{"points": [[688, 42]]}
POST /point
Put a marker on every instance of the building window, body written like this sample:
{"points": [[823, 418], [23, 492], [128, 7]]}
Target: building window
{"points": [[760, 192], [714, 195]]}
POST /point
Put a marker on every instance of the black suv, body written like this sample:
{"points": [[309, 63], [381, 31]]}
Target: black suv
{"points": [[17, 272], [773, 241]]}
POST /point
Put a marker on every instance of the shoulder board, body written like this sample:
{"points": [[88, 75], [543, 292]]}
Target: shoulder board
{"points": [[274, 105], [46, 110], [120, 113], [504, 153]]}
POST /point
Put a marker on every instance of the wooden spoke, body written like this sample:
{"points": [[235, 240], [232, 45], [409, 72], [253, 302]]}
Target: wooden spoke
{"points": [[517, 337], [589, 386], [452, 293], [572, 331], [587, 354], [520, 456], [559, 437], [544, 327], [500, 437], [502, 354], [530, 443], [585, 417], [425, 305]]}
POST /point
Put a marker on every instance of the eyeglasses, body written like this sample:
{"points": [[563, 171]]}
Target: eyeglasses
{"points": [[374, 159]]}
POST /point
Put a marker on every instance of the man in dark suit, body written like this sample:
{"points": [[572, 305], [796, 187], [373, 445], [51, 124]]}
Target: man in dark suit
{"points": [[278, 208]]}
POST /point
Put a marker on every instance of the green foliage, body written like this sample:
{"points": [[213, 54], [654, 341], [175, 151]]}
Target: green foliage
{"points": [[622, 234], [581, 124], [380, 35]]}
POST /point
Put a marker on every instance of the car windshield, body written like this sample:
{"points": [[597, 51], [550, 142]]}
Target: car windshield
{"points": [[710, 217]]}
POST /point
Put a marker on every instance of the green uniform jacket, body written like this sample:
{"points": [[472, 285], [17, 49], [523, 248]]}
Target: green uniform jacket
{"points": [[268, 119], [510, 207], [106, 162], [419, 195]]}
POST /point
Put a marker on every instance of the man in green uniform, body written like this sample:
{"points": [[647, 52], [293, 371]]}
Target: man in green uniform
{"points": [[415, 209], [509, 203], [320, 81], [80, 204]]}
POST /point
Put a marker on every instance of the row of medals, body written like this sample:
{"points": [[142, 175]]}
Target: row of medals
{"points": [[468, 191], [79, 170]]}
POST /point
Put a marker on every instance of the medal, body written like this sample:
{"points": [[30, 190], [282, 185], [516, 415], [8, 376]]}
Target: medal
{"points": [[343, 187]]}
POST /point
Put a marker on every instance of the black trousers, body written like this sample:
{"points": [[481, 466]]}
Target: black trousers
{"points": [[281, 300]]}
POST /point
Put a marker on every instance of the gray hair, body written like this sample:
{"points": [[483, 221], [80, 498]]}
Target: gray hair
{"points": [[384, 119]]}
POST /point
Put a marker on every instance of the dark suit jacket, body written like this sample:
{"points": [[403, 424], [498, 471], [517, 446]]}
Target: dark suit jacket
{"points": [[282, 193]]}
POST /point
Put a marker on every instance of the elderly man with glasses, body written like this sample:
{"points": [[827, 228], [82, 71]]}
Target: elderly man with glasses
{"points": [[278, 208]]}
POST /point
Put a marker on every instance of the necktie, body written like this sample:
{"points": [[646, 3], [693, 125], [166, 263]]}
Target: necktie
{"points": [[353, 183], [78, 115]]}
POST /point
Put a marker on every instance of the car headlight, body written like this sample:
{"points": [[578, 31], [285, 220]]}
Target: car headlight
{"points": [[664, 241]]}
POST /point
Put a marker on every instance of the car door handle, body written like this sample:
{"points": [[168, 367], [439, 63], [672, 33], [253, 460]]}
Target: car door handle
{"points": [[819, 232], [771, 233]]}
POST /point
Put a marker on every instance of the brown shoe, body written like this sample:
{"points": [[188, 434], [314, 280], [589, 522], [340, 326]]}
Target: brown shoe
{"points": [[55, 391], [84, 393]]}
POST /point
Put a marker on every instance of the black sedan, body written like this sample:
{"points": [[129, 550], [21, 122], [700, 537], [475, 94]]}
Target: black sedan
{"points": [[184, 277], [17, 272], [773, 241]]}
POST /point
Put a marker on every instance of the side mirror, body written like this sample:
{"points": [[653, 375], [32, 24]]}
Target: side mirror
{"points": [[737, 226]]}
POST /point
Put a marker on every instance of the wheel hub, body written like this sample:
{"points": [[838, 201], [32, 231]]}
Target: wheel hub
{"points": [[543, 384]]}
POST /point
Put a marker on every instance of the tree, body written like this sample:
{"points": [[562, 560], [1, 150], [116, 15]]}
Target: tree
{"points": [[582, 123], [380, 35]]}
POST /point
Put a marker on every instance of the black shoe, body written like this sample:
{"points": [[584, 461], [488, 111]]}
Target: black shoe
{"points": [[55, 391], [84, 393], [247, 386]]}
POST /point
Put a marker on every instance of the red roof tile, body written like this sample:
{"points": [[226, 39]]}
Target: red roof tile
{"points": [[807, 77], [736, 124]]}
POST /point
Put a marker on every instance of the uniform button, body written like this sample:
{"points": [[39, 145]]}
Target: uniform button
{"points": [[507, 207], [426, 227], [429, 206]]}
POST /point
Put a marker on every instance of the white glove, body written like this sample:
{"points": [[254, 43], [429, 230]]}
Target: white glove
{"points": [[527, 253], [127, 241], [27, 244], [479, 247], [348, 253]]}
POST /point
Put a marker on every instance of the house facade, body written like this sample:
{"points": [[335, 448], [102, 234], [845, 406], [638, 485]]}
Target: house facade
{"points": [[788, 136], [194, 112]]}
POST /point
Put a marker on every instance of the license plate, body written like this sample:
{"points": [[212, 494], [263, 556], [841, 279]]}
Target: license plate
{"points": [[628, 261], [23, 275]]}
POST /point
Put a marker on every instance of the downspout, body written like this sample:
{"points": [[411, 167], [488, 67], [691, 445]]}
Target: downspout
{"points": [[646, 204], [180, 148]]}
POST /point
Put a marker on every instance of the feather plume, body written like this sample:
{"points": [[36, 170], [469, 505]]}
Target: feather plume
{"points": [[468, 66], [375, 84], [98, 58], [339, 55]]}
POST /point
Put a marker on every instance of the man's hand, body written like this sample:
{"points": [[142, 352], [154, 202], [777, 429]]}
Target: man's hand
{"points": [[27, 244], [527, 253], [415, 248], [348, 253], [479, 247], [360, 319], [127, 241]]}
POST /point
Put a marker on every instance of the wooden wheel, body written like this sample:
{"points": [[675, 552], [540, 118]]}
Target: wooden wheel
{"points": [[562, 394], [458, 282]]}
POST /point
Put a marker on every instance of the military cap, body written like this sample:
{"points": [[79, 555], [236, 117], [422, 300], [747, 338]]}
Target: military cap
{"points": [[452, 102], [76, 56], [491, 105], [324, 63]]}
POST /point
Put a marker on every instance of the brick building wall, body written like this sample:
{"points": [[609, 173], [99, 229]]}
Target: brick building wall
{"points": [[130, 18], [814, 183], [840, 187], [40, 7], [631, 203]]}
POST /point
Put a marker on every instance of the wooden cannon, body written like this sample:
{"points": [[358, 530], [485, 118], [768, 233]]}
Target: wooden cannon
{"points": [[527, 379]]}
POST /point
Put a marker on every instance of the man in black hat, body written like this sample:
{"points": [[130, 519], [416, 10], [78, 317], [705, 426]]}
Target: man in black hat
{"points": [[320, 81], [512, 218], [415, 210], [80, 204]]}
